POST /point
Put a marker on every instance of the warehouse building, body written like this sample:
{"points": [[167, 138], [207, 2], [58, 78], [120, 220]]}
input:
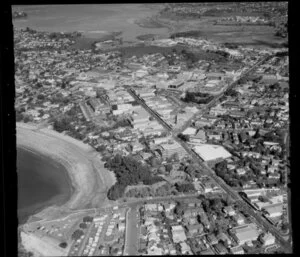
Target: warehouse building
{"points": [[211, 152]]}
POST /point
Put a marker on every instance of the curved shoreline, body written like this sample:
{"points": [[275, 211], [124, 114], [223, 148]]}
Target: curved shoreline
{"points": [[89, 179], [58, 199]]}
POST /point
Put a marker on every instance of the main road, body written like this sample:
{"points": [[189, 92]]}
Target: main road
{"points": [[259, 219]]}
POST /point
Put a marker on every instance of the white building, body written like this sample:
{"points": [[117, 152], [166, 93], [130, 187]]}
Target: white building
{"points": [[274, 210], [245, 233], [185, 248], [189, 131], [211, 152], [268, 239], [178, 234]]}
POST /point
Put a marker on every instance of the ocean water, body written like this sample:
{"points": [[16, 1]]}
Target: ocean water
{"points": [[92, 19], [41, 182]]}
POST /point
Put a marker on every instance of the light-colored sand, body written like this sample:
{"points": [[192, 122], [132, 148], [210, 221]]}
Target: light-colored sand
{"points": [[42, 246], [86, 170]]}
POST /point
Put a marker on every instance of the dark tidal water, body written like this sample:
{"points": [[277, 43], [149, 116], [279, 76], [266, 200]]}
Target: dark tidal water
{"points": [[94, 20], [41, 182]]}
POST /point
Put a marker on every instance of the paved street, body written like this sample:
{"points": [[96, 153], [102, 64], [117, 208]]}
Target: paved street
{"points": [[259, 219], [132, 235]]}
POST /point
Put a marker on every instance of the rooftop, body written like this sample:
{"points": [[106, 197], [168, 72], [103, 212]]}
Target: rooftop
{"points": [[211, 152]]}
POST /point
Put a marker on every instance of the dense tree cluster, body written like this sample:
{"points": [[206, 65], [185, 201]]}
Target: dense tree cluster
{"points": [[231, 92], [63, 245], [179, 208], [128, 171], [213, 206], [231, 178], [197, 97], [83, 225], [87, 219], [62, 124], [235, 180], [77, 234], [142, 192], [185, 187], [183, 137]]}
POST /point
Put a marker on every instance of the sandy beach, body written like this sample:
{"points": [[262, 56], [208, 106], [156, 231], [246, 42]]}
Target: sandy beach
{"points": [[89, 178], [42, 246]]}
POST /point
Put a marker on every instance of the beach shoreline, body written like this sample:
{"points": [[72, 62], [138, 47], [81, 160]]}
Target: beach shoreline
{"points": [[66, 189], [89, 179]]}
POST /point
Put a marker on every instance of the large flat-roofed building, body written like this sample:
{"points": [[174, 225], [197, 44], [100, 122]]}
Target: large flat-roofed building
{"points": [[209, 152], [199, 138], [145, 92], [274, 210], [245, 233], [178, 234], [139, 116]]}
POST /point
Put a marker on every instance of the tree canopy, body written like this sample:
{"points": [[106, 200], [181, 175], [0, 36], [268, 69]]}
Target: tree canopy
{"points": [[77, 234], [63, 245], [128, 171]]}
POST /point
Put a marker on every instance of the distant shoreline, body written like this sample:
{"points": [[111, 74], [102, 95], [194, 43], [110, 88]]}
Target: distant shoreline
{"points": [[90, 180]]}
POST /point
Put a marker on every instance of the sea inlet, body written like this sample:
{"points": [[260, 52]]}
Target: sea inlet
{"points": [[41, 182]]}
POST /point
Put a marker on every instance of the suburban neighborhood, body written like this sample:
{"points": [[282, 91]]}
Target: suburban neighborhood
{"points": [[195, 131]]}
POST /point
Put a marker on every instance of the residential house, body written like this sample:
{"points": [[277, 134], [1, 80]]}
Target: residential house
{"points": [[239, 218], [229, 210], [267, 239], [240, 171]]}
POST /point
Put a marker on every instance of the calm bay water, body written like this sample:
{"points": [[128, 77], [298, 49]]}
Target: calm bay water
{"points": [[41, 182], [92, 19]]}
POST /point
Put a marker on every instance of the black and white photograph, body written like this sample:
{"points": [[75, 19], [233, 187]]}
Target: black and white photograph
{"points": [[152, 128]]}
